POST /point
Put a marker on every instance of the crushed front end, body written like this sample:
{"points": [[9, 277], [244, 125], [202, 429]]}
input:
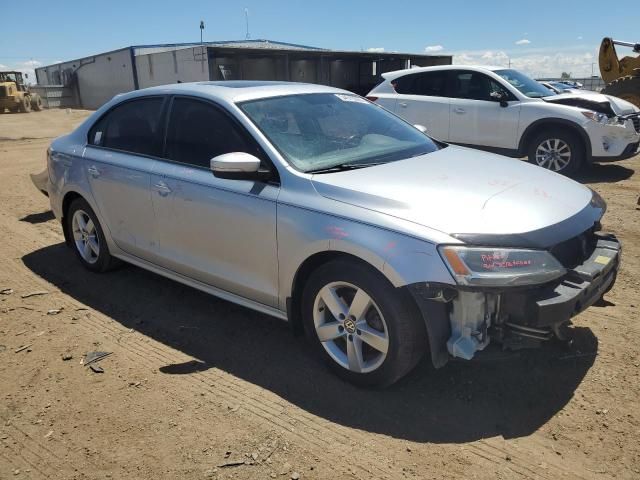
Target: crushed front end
{"points": [[557, 284]]}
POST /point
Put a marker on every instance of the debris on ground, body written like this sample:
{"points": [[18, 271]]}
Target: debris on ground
{"points": [[54, 311], [6, 291], [92, 357], [34, 294], [234, 463], [24, 347], [295, 476], [96, 368], [67, 356], [49, 433]]}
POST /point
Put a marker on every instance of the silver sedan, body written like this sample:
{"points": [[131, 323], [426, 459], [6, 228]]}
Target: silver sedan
{"points": [[314, 205]]}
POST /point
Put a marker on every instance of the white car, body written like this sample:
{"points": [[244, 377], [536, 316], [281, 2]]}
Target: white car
{"points": [[504, 111]]}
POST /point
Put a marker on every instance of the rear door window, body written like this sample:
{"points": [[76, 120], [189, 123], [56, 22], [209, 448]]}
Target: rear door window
{"points": [[431, 84], [199, 131], [134, 126]]}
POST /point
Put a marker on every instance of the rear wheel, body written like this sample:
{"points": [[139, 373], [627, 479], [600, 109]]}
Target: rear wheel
{"points": [[87, 237], [366, 329], [557, 150], [36, 103]]}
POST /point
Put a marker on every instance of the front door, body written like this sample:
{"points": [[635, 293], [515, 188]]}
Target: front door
{"points": [[119, 159], [221, 232]]}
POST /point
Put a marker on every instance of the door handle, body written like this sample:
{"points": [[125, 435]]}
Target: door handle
{"points": [[93, 171], [459, 110], [403, 104], [162, 188]]}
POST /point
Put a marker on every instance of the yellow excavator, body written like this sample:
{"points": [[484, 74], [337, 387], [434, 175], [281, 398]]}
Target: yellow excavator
{"points": [[621, 75]]}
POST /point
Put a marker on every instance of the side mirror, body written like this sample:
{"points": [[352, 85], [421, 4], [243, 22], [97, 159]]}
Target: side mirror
{"points": [[501, 97], [237, 166], [422, 128]]}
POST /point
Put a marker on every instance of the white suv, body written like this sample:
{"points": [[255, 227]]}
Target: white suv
{"points": [[504, 111]]}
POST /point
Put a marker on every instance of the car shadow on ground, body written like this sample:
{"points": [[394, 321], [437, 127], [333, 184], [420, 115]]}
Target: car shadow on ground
{"points": [[40, 217], [510, 394], [604, 173]]}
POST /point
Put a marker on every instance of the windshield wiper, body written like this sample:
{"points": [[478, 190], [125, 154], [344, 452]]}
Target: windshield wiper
{"points": [[342, 167]]}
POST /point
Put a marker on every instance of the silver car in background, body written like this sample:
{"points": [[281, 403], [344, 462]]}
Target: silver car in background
{"points": [[316, 206]]}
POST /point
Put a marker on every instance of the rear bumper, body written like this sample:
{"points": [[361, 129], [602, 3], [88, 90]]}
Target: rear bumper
{"points": [[579, 289]]}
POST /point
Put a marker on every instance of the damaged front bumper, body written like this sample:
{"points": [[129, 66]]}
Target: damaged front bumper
{"points": [[463, 321]]}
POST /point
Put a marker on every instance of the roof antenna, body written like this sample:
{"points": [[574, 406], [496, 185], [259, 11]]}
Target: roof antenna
{"points": [[246, 18]]}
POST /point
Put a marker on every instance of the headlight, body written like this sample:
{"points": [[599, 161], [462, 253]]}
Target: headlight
{"points": [[500, 267], [600, 117]]}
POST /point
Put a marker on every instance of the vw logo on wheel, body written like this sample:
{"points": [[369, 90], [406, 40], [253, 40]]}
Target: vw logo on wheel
{"points": [[349, 325]]}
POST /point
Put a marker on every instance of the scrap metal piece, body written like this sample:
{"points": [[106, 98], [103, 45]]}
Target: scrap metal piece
{"points": [[92, 357], [34, 294], [96, 368]]}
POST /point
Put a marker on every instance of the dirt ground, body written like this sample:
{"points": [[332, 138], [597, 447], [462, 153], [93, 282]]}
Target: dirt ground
{"points": [[199, 388]]}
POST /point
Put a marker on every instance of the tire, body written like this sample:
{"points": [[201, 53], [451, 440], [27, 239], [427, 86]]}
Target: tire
{"points": [[36, 103], [391, 322], [565, 151], [627, 88], [95, 256], [25, 105]]}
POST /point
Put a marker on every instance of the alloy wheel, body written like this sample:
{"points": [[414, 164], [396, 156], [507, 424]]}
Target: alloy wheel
{"points": [[85, 236], [553, 154], [350, 327]]}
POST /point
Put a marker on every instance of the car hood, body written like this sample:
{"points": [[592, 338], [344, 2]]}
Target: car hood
{"points": [[598, 102], [460, 191]]}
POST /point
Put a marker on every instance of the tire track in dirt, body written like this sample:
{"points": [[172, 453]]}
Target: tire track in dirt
{"points": [[272, 412]]}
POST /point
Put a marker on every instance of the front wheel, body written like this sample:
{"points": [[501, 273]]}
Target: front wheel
{"points": [[368, 331], [558, 151], [25, 105]]}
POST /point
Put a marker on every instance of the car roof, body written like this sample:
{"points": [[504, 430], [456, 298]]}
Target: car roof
{"points": [[234, 91], [476, 68]]}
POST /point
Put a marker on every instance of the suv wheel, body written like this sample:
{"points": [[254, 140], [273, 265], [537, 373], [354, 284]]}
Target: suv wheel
{"points": [[365, 328], [558, 151], [87, 237]]}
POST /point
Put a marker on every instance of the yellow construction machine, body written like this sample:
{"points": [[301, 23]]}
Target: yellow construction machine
{"points": [[621, 75], [15, 95]]}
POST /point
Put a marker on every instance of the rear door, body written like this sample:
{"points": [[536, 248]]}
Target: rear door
{"points": [[478, 119], [422, 100], [119, 158]]}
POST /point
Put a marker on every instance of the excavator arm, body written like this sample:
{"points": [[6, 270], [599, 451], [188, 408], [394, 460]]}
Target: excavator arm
{"points": [[621, 75], [612, 67]]}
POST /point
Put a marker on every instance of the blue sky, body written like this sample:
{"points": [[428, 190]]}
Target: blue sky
{"points": [[541, 38]]}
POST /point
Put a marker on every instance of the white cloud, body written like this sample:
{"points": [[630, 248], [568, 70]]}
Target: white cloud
{"points": [[31, 63], [375, 49], [3, 67], [524, 41], [580, 37], [539, 63], [433, 48]]}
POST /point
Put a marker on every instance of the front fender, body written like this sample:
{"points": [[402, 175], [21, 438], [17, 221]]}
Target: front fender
{"points": [[402, 259]]}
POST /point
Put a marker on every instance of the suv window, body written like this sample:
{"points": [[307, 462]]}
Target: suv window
{"points": [[432, 84], [198, 131], [474, 86], [133, 126]]}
